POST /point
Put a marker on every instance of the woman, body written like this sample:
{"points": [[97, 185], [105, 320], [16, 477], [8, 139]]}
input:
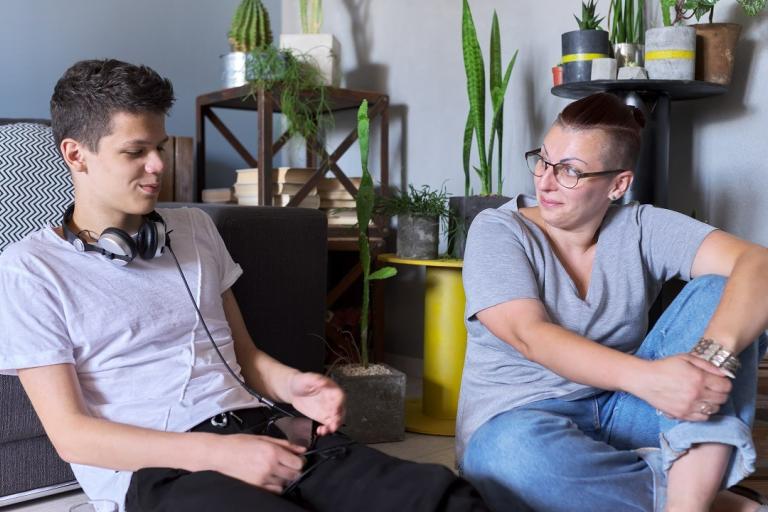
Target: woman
{"points": [[565, 403]]}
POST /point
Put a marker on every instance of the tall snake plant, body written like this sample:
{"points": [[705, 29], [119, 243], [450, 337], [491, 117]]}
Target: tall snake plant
{"points": [[364, 202], [475, 126]]}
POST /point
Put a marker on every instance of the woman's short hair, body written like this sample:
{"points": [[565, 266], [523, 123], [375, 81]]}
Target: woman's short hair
{"points": [[622, 123], [91, 91]]}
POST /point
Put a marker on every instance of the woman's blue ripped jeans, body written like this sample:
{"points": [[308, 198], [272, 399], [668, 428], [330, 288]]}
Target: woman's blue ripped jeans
{"points": [[611, 452]]}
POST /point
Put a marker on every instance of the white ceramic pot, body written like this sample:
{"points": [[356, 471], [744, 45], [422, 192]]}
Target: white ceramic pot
{"points": [[323, 49], [670, 53]]}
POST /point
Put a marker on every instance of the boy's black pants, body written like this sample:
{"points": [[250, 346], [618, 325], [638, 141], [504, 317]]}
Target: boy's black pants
{"points": [[349, 478]]}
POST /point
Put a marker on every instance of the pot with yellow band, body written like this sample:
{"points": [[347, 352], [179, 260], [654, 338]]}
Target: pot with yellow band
{"points": [[670, 53], [580, 48]]}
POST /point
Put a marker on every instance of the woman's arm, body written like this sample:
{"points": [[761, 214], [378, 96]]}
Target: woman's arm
{"points": [[675, 385], [742, 313]]}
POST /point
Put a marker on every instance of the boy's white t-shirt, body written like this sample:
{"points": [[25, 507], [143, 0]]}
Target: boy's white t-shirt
{"points": [[140, 352]]}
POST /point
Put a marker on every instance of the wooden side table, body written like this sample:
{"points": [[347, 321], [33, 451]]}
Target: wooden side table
{"points": [[266, 103], [445, 343]]}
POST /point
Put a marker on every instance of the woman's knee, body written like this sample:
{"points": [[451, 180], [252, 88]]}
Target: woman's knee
{"points": [[509, 445]]}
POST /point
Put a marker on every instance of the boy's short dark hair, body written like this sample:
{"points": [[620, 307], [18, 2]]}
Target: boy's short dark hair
{"points": [[91, 91]]}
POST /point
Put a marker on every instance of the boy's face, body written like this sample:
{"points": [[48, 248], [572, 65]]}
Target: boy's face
{"points": [[123, 176]]}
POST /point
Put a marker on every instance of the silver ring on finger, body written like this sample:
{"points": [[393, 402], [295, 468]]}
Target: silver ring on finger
{"points": [[706, 408]]}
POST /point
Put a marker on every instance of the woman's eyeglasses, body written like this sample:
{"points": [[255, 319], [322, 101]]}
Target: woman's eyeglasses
{"points": [[565, 174]]}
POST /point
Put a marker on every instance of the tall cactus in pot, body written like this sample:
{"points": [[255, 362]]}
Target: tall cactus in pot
{"points": [[250, 27]]}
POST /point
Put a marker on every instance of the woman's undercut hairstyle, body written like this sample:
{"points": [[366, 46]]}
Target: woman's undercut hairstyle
{"points": [[621, 122], [92, 91]]}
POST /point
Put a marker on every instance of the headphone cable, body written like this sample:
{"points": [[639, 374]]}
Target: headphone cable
{"points": [[258, 396]]}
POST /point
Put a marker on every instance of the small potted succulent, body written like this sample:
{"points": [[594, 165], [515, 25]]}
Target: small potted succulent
{"points": [[322, 50], [581, 46], [420, 212]]}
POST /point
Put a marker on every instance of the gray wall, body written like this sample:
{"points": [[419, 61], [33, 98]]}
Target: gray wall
{"points": [[412, 50], [181, 39]]}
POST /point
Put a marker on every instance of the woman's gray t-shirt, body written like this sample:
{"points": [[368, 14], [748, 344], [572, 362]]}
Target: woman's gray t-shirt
{"points": [[508, 257]]}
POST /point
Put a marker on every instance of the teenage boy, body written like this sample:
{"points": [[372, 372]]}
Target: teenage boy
{"points": [[120, 368]]}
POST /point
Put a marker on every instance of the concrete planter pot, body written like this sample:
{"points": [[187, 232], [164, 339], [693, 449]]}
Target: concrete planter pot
{"points": [[322, 49], [670, 53], [716, 51], [604, 69], [375, 402], [233, 69], [417, 237], [629, 54], [464, 209], [580, 47]]}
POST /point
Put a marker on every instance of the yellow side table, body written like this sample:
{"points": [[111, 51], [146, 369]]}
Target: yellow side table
{"points": [[445, 342]]}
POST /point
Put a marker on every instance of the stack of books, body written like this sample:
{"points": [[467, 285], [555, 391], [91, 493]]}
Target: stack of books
{"points": [[286, 182], [218, 195], [337, 202]]}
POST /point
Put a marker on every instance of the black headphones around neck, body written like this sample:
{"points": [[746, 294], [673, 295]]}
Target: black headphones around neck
{"points": [[118, 246]]}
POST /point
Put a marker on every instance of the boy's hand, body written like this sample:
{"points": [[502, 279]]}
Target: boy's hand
{"points": [[319, 398], [262, 461]]}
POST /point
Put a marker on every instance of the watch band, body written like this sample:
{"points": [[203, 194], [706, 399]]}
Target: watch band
{"points": [[709, 350]]}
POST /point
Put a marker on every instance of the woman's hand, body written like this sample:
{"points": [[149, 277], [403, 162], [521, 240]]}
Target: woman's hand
{"points": [[263, 461], [683, 387], [319, 398]]}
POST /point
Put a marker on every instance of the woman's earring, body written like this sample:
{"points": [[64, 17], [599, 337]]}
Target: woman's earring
{"points": [[612, 197]]}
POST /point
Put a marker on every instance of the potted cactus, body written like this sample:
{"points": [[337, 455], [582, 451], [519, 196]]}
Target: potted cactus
{"points": [[250, 30], [322, 50], [670, 50], [464, 209], [375, 392], [581, 46]]}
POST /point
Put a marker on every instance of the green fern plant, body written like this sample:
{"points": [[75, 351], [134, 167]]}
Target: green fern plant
{"points": [[474, 67], [311, 12], [589, 19], [250, 27], [364, 202]]}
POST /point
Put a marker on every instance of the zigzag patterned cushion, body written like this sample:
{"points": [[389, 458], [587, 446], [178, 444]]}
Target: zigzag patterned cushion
{"points": [[35, 186]]}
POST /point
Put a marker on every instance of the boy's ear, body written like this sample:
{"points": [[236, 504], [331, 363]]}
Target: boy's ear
{"points": [[74, 155]]}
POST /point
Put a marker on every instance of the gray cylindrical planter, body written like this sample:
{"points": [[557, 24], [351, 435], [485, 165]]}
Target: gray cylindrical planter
{"points": [[629, 54], [579, 48], [670, 53], [375, 402], [417, 237], [464, 209]]}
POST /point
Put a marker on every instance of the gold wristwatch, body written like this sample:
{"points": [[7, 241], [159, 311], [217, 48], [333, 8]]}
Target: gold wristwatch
{"points": [[710, 350]]}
